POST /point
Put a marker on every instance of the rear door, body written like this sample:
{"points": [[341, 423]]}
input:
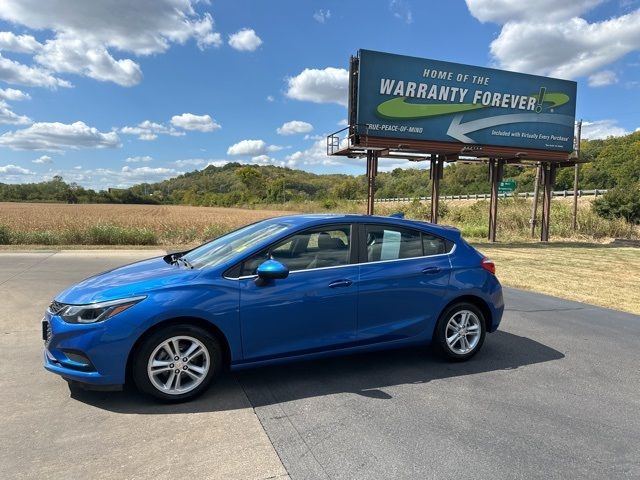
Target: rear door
{"points": [[404, 276]]}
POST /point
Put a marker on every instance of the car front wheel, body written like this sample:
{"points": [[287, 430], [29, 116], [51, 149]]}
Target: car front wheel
{"points": [[177, 363], [460, 332]]}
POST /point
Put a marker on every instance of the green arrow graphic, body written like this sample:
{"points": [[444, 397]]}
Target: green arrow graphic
{"points": [[399, 108]]}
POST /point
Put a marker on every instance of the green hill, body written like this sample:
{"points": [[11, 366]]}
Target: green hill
{"points": [[614, 161]]}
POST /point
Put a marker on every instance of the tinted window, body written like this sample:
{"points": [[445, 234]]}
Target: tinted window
{"points": [[391, 243], [434, 245], [318, 248]]}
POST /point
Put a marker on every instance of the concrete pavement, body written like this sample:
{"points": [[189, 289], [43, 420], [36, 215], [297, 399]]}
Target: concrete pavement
{"points": [[47, 433], [553, 394]]}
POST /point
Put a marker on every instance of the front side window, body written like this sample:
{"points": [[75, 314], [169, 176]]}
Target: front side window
{"points": [[318, 248]]}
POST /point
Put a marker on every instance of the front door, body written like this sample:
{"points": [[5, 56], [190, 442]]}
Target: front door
{"points": [[313, 309]]}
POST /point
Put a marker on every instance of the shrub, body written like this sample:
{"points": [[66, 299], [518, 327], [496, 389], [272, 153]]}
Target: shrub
{"points": [[5, 235], [620, 202]]}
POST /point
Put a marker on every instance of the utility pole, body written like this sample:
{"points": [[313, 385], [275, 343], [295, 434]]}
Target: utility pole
{"points": [[576, 171]]}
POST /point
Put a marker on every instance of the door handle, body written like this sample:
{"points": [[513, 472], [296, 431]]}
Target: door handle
{"points": [[340, 283], [431, 270]]}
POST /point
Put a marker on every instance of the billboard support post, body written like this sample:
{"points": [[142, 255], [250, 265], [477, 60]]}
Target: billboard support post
{"points": [[435, 172], [576, 172], [372, 171], [548, 175], [536, 193], [496, 167]]}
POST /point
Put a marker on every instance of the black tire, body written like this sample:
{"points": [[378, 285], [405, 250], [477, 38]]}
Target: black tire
{"points": [[148, 346], [440, 340]]}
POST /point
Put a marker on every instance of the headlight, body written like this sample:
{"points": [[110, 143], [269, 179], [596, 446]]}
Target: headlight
{"points": [[95, 312]]}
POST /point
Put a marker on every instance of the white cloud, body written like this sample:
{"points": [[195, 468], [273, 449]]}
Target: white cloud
{"points": [[248, 148], [293, 127], [503, 11], [603, 78], [401, 10], [8, 116], [566, 45], [68, 53], [139, 159], [20, 74], [189, 121], [567, 49], [189, 162], [86, 32], [14, 170], [322, 16], [57, 136], [146, 173], [602, 129], [18, 43], [149, 130], [320, 86], [261, 159], [13, 95], [316, 154], [43, 159], [245, 40], [343, 123], [270, 98]]}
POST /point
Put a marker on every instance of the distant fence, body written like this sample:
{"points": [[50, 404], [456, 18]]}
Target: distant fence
{"points": [[486, 196]]}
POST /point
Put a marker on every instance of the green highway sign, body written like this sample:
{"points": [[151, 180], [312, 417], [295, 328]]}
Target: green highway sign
{"points": [[507, 186]]}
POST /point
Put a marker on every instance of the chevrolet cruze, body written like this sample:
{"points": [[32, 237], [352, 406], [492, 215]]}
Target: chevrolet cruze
{"points": [[286, 288]]}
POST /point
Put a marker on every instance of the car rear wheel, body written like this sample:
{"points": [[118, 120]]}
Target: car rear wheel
{"points": [[177, 363], [460, 332]]}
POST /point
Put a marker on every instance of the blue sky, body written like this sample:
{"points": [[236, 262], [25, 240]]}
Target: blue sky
{"points": [[113, 92]]}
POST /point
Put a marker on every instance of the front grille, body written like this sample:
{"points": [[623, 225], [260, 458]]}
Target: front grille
{"points": [[55, 307], [46, 331]]}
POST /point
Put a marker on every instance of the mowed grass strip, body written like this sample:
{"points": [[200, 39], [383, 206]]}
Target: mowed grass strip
{"points": [[592, 273]]}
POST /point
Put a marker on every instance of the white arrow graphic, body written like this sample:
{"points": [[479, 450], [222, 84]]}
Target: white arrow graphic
{"points": [[459, 130]]}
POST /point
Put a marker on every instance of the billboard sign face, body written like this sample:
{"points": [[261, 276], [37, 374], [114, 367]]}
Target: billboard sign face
{"points": [[420, 99]]}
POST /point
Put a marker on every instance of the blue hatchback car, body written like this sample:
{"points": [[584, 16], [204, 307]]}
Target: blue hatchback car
{"points": [[285, 288]]}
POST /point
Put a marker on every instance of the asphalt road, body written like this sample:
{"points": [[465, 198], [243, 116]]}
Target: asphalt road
{"points": [[553, 394]]}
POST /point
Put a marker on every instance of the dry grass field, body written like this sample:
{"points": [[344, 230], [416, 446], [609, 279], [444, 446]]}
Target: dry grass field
{"points": [[590, 271], [60, 224]]}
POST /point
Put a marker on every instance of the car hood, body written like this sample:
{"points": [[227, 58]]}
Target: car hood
{"points": [[134, 279]]}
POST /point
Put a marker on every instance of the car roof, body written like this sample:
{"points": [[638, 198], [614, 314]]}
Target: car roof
{"points": [[304, 220]]}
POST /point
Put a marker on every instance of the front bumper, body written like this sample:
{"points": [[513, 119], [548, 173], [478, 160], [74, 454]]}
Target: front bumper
{"points": [[90, 354]]}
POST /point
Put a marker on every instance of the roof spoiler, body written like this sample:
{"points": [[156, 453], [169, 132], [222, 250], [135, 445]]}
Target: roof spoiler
{"points": [[397, 215]]}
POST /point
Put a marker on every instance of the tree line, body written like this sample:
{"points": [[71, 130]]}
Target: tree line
{"points": [[613, 162]]}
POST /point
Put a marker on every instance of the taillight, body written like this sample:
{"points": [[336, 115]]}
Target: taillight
{"points": [[488, 265]]}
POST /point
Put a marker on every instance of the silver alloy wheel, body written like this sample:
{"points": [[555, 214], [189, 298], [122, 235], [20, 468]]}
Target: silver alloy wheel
{"points": [[463, 332], [178, 365]]}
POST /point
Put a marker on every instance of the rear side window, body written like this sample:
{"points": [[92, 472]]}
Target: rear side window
{"points": [[433, 245], [393, 243]]}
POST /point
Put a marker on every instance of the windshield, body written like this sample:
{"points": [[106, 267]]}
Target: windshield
{"points": [[222, 249]]}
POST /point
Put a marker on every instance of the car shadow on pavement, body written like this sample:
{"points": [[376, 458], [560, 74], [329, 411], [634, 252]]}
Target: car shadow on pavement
{"points": [[361, 374]]}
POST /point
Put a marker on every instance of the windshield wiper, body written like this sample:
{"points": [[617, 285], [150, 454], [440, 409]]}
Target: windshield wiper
{"points": [[186, 262]]}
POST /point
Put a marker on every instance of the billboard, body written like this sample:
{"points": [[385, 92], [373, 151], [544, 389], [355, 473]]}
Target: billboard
{"points": [[420, 99]]}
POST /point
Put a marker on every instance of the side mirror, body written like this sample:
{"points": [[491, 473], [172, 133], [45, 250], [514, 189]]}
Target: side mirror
{"points": [[272, 270]]}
